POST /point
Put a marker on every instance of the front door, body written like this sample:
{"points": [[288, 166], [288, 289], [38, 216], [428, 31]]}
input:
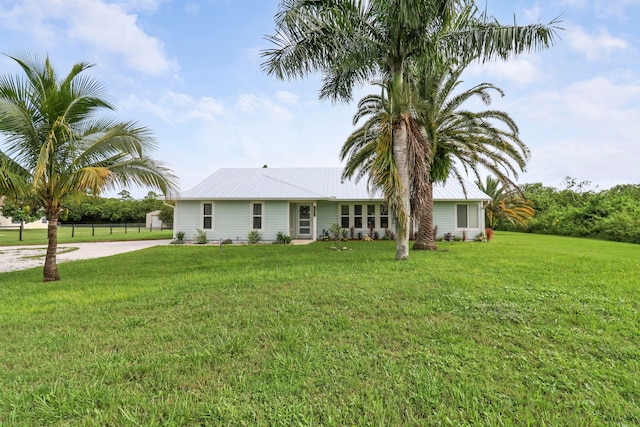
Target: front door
{"points": [[304, 221]]}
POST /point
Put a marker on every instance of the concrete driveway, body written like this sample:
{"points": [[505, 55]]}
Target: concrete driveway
{"points": [[22, 257]]}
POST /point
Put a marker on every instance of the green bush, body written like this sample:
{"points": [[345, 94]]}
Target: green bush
{"points": [[201, 237], [282, 238], [179, 237], [254, 237]]}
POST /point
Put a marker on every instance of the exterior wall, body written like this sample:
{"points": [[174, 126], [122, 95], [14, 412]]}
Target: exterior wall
{"points": [[327, 214], [37, 224], [231, 219], [444, 216], [186, 218]]}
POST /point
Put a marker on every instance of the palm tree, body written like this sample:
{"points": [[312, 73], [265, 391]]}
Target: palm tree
{"points": [[56, 146], [356, 42], [454, 139], [462, 140], [507, 204]]}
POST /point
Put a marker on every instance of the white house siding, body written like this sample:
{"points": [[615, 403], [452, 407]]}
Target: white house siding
{"points": [[275, 219], [186, 218], [327, 215], [444, 216], [231, 219]]}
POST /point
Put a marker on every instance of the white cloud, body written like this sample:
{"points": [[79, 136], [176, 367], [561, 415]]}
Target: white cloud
{"points": [[521, 71], [106, 27], [588, 130], [597, 46]]}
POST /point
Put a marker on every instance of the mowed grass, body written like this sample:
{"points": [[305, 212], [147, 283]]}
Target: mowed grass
{"points": [[102, 233], [524, 330]]}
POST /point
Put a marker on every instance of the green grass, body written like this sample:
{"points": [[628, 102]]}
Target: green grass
{"points": [[524, 330], [81, 234]]}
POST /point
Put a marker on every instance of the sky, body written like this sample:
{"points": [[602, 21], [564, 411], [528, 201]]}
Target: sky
{"points": [[191, 71]]}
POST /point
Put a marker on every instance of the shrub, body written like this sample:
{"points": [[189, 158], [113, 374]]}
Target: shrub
{"points": [[227, 241], [254, 237], [179, 237], [336, 231], [489, 232], [201, 237], [282, 238]]}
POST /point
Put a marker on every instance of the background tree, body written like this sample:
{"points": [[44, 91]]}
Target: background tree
{"points": [[59, 146], [354, 43], [23, 210]]}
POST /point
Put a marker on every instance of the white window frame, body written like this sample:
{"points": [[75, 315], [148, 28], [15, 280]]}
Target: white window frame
{"points": [[212, 215], [478, 212], [252, 215], [364, 216]]}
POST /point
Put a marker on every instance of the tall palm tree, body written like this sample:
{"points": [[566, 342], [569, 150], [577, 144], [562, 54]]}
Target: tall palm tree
{"points": [[462, 140], [356, 42], [506, 205], [457, 141], [57, 146]]}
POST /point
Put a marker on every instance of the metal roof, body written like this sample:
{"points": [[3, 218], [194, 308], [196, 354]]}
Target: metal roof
{"points": [[303, 184]]}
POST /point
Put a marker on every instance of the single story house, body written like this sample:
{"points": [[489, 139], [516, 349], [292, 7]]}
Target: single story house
{"points": [[305, 202]]}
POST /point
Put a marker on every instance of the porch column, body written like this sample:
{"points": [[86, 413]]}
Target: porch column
{"points": [[314, 222]]}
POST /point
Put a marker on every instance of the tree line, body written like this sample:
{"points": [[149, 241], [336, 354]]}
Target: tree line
{"points": [[100, 210], [575, 209]]}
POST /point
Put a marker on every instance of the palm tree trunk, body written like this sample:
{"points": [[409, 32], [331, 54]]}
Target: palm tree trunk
{"points": [[401, 157], [425, 240], [50, 273]]}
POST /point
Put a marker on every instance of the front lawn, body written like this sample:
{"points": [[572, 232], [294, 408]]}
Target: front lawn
{"points": [[524, 330]]}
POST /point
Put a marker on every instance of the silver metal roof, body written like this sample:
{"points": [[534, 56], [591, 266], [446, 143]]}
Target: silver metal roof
{"points": [[303, 184]]}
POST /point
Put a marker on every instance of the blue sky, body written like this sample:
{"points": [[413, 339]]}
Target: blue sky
{"points": [[191, 71]]}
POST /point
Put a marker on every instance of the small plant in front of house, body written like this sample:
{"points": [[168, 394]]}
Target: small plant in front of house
{"points": [[389, 234], [360, 235], [227, 242], [335, 231], [282, 238], [344, 235], [376, 235], [201, 237], [489, 232], [254, 237], [481, 238], [464, 235], [352, 231], [179, 237]]}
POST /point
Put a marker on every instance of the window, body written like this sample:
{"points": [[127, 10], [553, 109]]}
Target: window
{"points": [[364, 216], [256, 216], [207, 216], [371, 216], [344, 216], [467, 216], [357, 216], [384, 216], [44, 220]]}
